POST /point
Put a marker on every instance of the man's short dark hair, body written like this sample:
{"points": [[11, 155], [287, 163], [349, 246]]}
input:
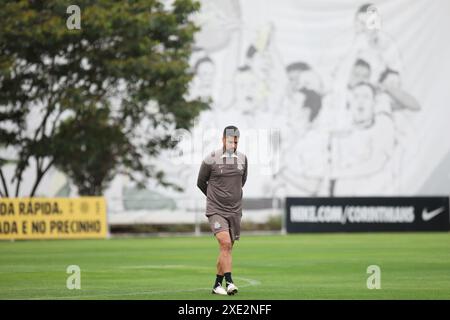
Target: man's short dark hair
{"points": [[387, 72], [363, 8], [244, 68], [251, 51], [298, 66], [202, 60], [231, 131], [363, 63]]}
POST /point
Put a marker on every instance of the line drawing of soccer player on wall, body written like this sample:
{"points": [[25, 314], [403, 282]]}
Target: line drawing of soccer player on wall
{"points": [[362, 148], [302, 100], [202, 84], [258, 89], [372, 58], [250, 94], [219, 38], [371, 44], [301, 171], [361, 157], [381, 52], [257, 82], [375, 47]]}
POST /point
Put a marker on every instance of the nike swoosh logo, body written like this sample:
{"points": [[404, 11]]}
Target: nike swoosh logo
{"points": [[426, 216]]}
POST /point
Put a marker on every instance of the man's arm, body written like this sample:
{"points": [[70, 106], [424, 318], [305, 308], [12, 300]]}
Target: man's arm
{"points": [[203, 177], [404, 99], [244, 176]]}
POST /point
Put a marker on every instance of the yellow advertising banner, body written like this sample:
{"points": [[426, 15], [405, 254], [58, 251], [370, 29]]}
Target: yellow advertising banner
{"points": [[53, 218]]}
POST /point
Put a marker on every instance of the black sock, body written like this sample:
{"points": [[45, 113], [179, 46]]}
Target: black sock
{"points": [[228, 277], [219, 280]]}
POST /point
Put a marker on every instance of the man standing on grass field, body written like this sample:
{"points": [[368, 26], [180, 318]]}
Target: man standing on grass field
{"points": [[221, 177]]}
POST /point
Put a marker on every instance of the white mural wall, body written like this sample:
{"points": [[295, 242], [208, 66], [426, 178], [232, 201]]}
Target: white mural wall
{"points": [[333, 98]]}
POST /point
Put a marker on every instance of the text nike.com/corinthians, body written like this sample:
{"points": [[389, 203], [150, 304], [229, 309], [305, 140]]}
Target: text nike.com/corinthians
{"points": [[353, 214]]}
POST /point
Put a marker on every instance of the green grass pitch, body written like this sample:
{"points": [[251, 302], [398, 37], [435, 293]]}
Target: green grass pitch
{"points": [[302, 266]]}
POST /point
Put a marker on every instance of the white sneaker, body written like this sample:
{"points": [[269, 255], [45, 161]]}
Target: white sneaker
{"points": [[219, 290], [231, 289]]}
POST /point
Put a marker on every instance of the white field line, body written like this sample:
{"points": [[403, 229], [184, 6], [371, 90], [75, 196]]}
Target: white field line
{"points": [[249, 282], [165, 266]]}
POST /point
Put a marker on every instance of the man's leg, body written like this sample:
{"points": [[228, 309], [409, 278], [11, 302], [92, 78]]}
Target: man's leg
{"points": [[218, 265], [219, 274], [217, 288], [224, 261], [218, 224]]}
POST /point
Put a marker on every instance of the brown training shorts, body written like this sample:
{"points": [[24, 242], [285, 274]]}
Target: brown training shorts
{"points": [[219, 223]]}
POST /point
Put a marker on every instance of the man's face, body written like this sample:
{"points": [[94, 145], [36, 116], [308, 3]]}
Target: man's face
{"points": [[205, 74], [360, 73], [246, 90], [298, 98], [362, 104], [367, 24], [294, 79], [360, 23], [230, 143], [310, 80]]}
